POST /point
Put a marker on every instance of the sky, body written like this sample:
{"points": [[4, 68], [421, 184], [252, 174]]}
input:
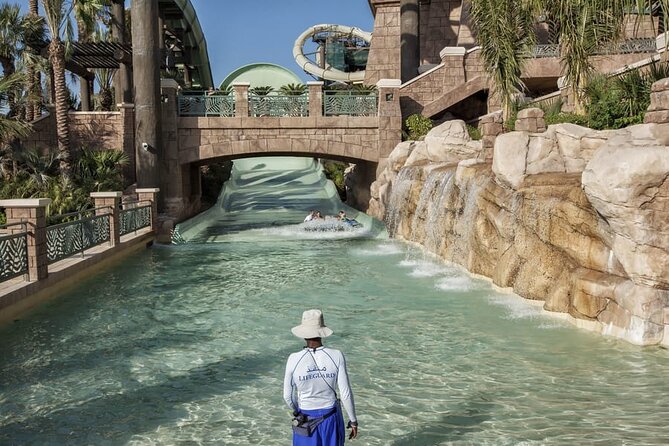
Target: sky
{"points": [[240, 32]]}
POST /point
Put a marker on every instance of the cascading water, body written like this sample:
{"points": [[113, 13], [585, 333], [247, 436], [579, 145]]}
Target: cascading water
{"points": [[187, 344], [429, 206], [274, 193], [399, 194], [434, 235]]}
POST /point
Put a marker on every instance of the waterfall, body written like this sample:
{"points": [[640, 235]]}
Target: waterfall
{"points": [[399, 195], [429, 204], [434, 235]]}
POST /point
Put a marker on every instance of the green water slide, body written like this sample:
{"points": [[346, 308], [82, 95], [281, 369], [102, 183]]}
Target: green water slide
{"points": [[181, 15]]}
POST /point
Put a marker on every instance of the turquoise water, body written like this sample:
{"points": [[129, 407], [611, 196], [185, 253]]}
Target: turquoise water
{"points": [[186, 345]]}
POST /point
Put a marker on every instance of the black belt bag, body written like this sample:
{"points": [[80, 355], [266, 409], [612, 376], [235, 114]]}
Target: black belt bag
{"points": [[305, 426]]}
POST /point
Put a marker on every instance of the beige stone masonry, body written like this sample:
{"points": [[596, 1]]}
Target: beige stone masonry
{"points": [[33, 213], [108, 203], [531, 120], [658, 111]]}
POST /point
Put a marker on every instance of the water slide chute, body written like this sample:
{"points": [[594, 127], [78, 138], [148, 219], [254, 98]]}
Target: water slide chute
{"points": [[328, 73]]}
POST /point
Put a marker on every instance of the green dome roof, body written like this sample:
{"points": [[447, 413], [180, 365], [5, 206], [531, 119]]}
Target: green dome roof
{"points": [[262, 74]]}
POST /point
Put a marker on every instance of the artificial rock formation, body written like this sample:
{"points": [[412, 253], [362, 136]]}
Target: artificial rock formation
{"points": [[573, 217]]}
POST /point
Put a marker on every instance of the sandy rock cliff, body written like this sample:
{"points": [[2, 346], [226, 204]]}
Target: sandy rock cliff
{"points": [[576, 218]]}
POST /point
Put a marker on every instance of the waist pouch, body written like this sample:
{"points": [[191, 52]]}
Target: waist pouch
{"points": [[305, 426]]}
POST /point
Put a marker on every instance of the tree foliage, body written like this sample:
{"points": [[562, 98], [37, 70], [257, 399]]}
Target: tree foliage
{"points": [[417, 127], [504, 30]]}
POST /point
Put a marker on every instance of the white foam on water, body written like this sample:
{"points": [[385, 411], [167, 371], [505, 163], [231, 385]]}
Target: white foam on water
{"points": [[455, 283], [517, 307], [386, 249], [299, 232], [427, 269]]}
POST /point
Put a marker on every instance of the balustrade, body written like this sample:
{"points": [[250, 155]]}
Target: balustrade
{"points": [[329, 103], [337, 103], [637, 45], [206, 105], [76, 236], [13, 251], [28, 245], [135, 215], [278, 105]]}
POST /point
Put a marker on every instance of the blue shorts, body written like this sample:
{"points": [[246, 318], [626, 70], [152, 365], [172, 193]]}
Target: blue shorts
{"points": [[330, 432]]}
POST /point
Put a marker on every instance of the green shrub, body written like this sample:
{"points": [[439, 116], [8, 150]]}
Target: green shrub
{"points": [[418, 126], [562, 118], [293, 89], [213, 178], [38, 177], [474, 132], [261, 90], [334, 171]]}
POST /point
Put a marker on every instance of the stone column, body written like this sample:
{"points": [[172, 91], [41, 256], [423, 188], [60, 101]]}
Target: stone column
{"points": [[85, 94], [390, 116], [409, 44], [241, 99], [150, 194], [32, 212], [384, 51], [531, 120], [315, 98], [491, 126], [146, 75], [128, 119], [658, 110], [123, 78], [112, 201], [453, 58]]}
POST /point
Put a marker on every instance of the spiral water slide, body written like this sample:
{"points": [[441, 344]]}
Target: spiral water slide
{"points": [[328, 73]]}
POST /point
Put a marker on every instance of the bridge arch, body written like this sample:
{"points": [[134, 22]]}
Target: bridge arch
{"points": [[331, 149]]}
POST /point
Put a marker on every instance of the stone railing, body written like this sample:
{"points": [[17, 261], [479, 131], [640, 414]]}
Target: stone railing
{"points": [[206, 105], [628, 46], [28, 245], [278, 105], [315, 103], [13, 251]]}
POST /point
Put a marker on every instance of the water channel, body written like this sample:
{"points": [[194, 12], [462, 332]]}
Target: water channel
{"points": [[186, 344]]}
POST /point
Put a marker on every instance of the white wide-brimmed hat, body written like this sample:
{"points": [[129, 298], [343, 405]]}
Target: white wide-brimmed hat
{"points": [[312, 326]]}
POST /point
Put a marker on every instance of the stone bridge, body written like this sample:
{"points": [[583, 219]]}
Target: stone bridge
{"points": [[198, 129]]}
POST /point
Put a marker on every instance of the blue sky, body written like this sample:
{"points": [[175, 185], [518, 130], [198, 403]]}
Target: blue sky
{"points": [[247, 31]]}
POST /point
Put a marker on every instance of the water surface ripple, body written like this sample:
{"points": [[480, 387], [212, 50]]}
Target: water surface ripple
{"points": [[186, 345]]}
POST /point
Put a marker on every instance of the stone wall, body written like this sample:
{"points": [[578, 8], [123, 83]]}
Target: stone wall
{"points": [[384, 52], [422, 90], [89, 130], [571, 217], [339, 137], [439, 27]]}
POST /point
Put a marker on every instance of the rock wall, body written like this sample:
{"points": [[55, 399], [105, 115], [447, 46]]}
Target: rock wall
{"points": [[572, 217]]}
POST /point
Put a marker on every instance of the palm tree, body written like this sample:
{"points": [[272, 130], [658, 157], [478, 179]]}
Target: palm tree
{"points": [[262, 90], [293, 89], [13, 29], [582, 28], [104, 76], [34, 78], [59, 23], [504, 30], [10, 128], [87, 13]]}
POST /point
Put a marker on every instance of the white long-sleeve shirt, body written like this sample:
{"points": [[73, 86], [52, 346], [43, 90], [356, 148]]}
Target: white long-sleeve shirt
{"points": [[314, 374]]}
